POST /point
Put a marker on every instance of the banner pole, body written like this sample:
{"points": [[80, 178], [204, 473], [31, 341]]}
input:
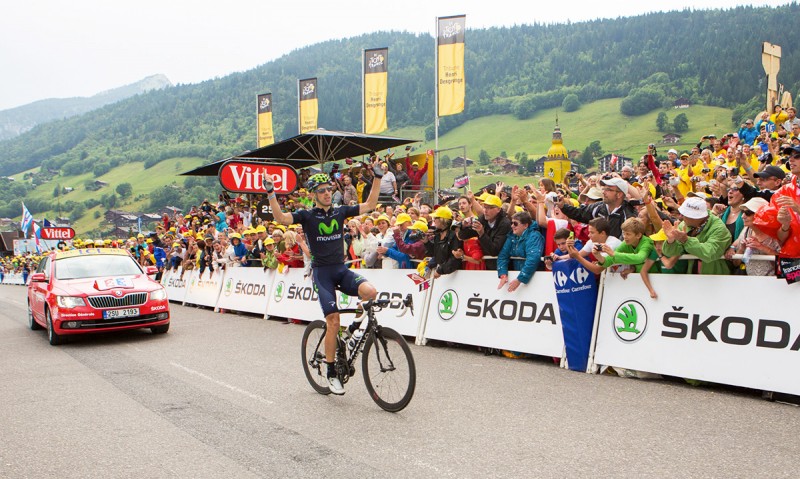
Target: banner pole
{"points": [[436, 172], [363, 92], [299, 119]]}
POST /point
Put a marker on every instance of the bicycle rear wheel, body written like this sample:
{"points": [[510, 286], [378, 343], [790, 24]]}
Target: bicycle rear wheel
{"points": [[313, 356], [389, 371]]}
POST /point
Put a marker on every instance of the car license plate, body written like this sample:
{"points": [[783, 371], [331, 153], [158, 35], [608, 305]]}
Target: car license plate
{"points": [[120, 313]]}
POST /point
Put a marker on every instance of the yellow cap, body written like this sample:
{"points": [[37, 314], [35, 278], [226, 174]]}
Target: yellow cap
{"points": [[175, 244], [261, 229], [149, 241], [442, 212], [269, 241], [140, 235], [483, 196], [660, 236], [383, 218], [280, 228], [492, 200], [419, 225], [235, 235], [402, 218]]}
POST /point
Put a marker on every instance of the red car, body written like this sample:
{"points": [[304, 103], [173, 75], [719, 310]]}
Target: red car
{"points": [[94, 290]]}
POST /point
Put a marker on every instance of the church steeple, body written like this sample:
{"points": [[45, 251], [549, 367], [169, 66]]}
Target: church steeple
{"points": [[557, 150]]}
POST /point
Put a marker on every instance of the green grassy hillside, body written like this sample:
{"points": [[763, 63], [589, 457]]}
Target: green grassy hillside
{"points": [[600, 120]]}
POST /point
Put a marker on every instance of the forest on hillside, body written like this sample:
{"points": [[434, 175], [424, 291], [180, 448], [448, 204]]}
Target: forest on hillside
{"points": [[711, 57]]}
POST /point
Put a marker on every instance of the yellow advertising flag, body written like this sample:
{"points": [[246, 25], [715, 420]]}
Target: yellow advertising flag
{"points": [[308, 109], [376, 87], [450, 79], [264, 120]]}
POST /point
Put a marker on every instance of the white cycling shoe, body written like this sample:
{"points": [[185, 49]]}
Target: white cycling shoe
{"points": [[335, 386]]}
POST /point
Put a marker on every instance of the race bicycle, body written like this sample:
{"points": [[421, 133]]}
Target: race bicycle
{"points": [[387, 364]]}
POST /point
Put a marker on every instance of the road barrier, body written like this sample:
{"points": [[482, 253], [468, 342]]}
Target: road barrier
{"points": [[735, 330], [13, 278]]}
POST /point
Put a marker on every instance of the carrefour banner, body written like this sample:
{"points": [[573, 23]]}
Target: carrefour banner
{"points": [[450, 79], [576, 290], [264, 120], [466, 307], [203, 290], [246, 289], [376, 88], [308, 110], [694, 329]]}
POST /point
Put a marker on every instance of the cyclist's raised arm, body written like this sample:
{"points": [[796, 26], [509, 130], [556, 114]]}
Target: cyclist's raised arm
{"points": [[372, 199], [280, 216]]}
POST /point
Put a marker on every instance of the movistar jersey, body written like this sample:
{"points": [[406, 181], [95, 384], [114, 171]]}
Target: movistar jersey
{"points": [[324, 232]]}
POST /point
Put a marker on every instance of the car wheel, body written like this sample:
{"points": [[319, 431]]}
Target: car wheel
{"points": [[31, 321], [54, 338], [160, 329]]}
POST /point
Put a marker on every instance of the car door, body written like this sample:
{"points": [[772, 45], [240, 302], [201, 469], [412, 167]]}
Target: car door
{"points": [[39, 289]]}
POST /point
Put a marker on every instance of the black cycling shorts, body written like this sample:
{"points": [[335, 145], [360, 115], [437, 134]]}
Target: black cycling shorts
{"points": [[330, 278]]}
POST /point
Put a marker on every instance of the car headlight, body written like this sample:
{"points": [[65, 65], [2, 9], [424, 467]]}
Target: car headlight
{"points": [[70, 301], [158, 295]]}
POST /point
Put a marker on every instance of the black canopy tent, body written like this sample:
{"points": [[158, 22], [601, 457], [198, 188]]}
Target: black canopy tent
{"points": [[311, 148]]}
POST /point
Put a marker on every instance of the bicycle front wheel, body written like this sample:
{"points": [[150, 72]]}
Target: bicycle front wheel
{"points": [[389, 371], [313, 352]]}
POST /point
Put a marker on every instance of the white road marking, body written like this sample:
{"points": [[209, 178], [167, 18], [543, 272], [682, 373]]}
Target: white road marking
{"points": [[222, 383]]}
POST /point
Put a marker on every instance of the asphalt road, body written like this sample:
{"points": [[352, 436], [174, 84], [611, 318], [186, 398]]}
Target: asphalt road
{"points": [[224, 395]]}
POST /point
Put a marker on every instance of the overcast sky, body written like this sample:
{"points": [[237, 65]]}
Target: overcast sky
{"points": [[58, 49]]}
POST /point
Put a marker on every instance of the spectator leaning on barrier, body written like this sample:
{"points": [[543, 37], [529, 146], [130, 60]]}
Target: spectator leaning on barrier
{"points": [[522, 251], [754, 241], [615, 207], [701, 235]]}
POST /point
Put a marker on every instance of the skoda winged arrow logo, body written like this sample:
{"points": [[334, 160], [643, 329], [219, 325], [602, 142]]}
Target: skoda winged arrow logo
{"points": [[630, 321], [279, 291], [328, 229], [228, 287], [448, 304]]}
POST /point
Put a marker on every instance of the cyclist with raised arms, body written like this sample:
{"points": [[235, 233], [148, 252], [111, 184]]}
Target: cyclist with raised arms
{"points": [[324, 226]]}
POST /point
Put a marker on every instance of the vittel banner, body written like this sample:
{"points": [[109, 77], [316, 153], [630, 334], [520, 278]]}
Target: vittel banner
{"points": [[203, 290], [469, 309], [704, 331]]}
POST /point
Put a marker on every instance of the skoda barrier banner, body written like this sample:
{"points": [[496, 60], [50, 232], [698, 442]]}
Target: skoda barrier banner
{"points": [[175, 285], [203, 290], [395, 285], [466, 307], [246, 289], [704, 331], [295, 297]]}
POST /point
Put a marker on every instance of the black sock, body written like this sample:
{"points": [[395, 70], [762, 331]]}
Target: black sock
{"points": [[331, 370]]}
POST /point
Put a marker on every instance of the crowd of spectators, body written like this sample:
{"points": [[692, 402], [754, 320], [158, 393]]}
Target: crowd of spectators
{"points": [[737, 194]]}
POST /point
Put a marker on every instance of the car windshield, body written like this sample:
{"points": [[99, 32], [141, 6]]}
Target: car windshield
{"points": [[93, 266]]}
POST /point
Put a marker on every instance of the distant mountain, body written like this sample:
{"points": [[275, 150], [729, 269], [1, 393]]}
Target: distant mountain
{"points": [[16, 121]]}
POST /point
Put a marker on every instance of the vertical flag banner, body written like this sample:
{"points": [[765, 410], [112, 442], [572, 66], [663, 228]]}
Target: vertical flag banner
{"points": [[376, 88], [576, 292], [27, 219], [264, 120], [308, 110], [450, 79]]}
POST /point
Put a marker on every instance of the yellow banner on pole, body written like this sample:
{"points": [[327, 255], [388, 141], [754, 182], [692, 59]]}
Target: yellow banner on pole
{"points": [[308, 107], [265, 134], [376, 88], [450, 79]]}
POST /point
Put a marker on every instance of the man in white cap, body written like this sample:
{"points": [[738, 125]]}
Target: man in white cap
{"points": [[672, 154], [699, 234], [614, 206]]}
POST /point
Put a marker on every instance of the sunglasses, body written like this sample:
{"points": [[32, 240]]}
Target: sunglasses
{"points": [[748, 212], [324, 189], [735, 188], [515, 223]]}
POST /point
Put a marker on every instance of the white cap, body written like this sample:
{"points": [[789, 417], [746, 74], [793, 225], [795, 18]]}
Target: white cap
{"points": [[673, 150], [618, 182], [694, 207]]}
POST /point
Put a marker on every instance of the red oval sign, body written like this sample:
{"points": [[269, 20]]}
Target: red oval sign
{"points": [[246, 177], [57, 233]]}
